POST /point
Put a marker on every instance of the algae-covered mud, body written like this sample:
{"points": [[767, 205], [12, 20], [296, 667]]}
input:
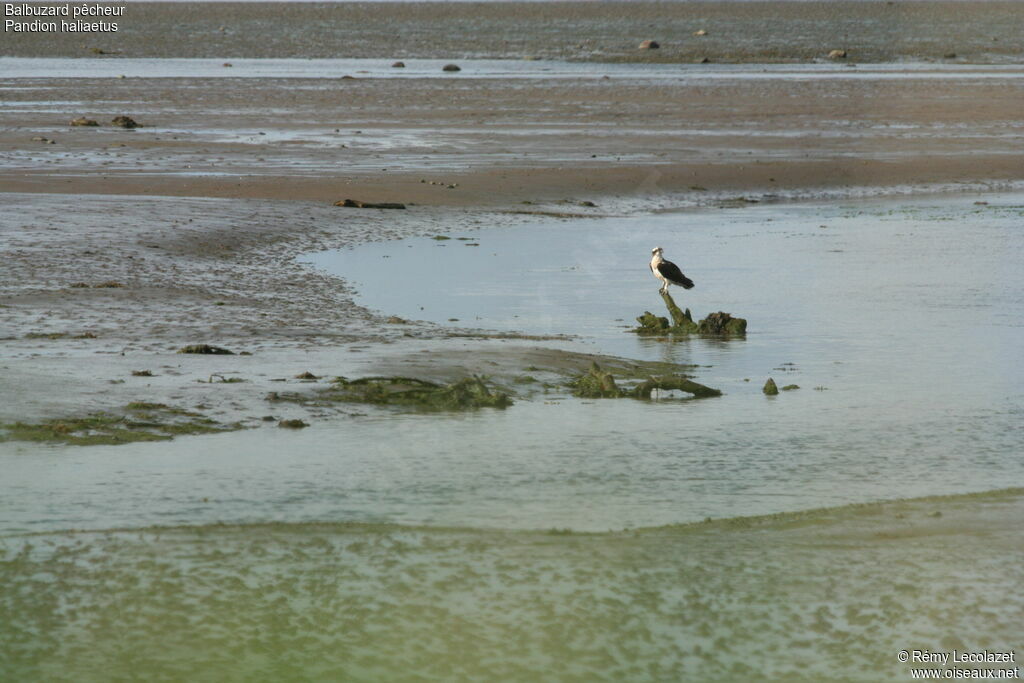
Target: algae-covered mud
{"points": [[826, 595]]}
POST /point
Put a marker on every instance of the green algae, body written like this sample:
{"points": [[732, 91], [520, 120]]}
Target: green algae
{"points": [[598, 383], [363, 601], [140, 421], [470, 393], [770, 388], [46, 335]]}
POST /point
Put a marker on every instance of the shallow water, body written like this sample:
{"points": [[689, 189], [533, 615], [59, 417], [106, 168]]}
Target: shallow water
{"points": [[905, 313]]}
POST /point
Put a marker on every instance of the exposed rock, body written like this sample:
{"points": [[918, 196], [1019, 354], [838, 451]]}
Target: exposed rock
{"points": [[398, 65], [649, 45], [837, 54], [700, 32], [227, 64], [769, 388], [306, 375], [292, 424], [355, 203], [205, 348], [949, 55], [451, 67], [704, 60], [790, 387], [82, 121]]}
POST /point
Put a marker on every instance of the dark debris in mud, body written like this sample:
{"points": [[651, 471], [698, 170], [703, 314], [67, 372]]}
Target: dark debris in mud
{"points": [[357, 204], [205, 348]]}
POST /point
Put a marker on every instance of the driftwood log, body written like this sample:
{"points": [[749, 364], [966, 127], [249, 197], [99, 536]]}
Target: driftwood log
{"points": [[598, 383], [720, 323]]}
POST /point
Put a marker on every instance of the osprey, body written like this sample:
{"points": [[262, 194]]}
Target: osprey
{"points": [[668, 272]]}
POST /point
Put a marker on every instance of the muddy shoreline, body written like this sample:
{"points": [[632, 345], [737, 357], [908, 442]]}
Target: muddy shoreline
{"points": [[119, 247]]}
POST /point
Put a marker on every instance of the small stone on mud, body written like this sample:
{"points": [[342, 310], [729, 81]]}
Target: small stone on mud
{"points": [[837, 54], [125, 122], [649, 45], [82, 121], [398, 65], [306, 375], [395, 320], [205, 348], [142, 373], [292, 424], [451, 67], [268, 418]]}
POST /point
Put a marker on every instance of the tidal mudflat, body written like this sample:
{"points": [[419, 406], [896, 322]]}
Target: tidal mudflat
{"points": [[861, 212]]}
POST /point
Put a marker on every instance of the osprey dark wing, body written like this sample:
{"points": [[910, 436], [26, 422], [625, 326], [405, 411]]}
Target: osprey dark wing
{"points": [[671, 272]]}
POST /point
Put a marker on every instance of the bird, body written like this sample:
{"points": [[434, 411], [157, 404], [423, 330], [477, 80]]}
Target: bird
{"points": [[668, 272]]}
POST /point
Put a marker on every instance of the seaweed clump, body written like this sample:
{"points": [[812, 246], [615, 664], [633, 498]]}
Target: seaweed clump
{"points": [[720, 324], [470, 393], [598, 383], [142, 421]]}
